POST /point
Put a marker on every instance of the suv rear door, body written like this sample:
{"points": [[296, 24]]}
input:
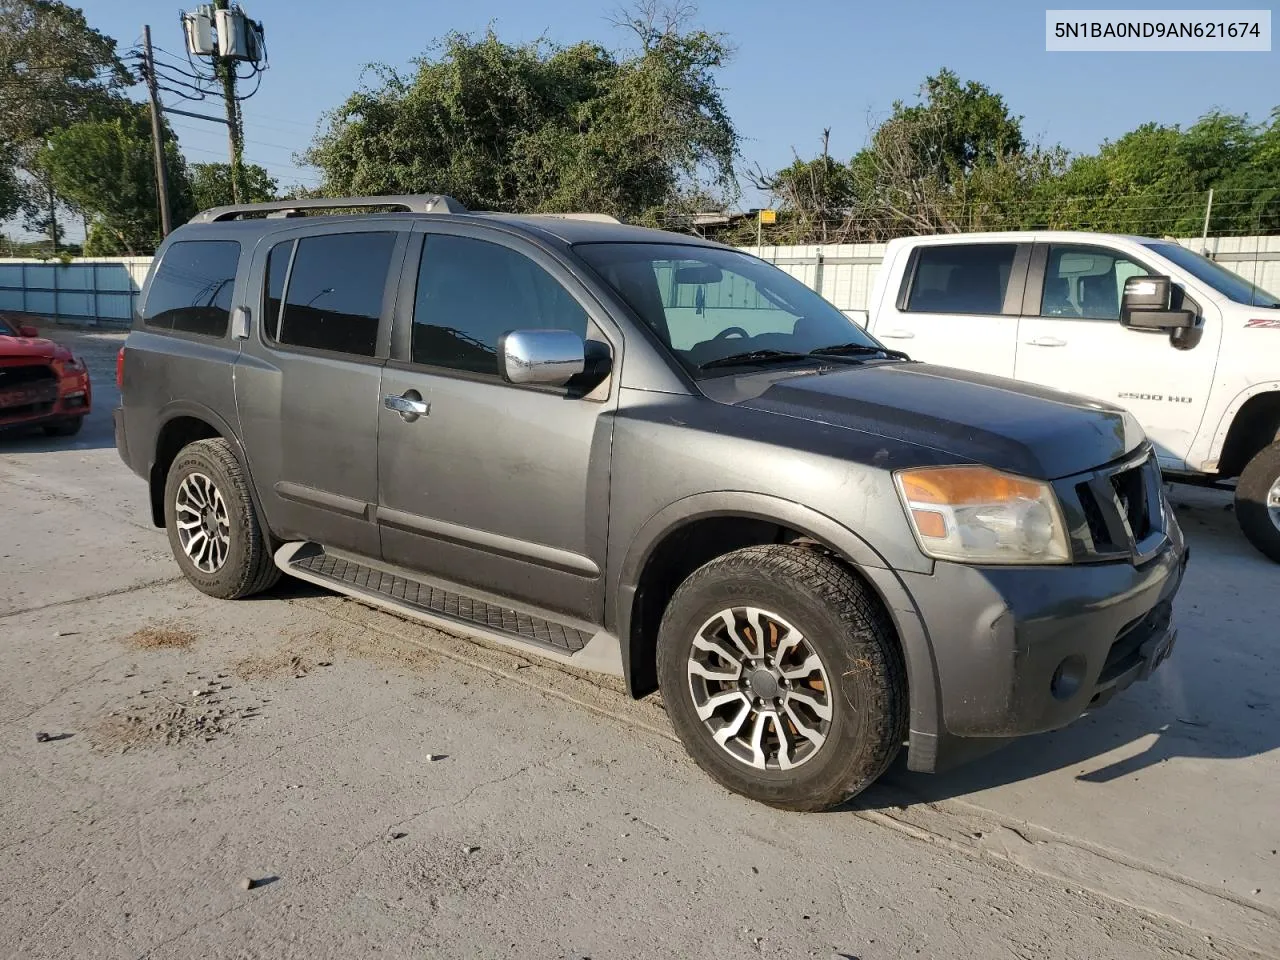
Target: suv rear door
{"points": [[494, 485], [1070, 338], [307, 386], [957, 305]]}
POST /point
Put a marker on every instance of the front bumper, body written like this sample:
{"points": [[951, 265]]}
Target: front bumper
{"points": [[44, 401], [1021, 650]]}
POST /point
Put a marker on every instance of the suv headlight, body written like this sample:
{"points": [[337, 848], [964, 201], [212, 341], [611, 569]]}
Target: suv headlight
{"points": [[979, 515]]}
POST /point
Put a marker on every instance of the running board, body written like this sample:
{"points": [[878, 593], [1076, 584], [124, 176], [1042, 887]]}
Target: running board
{"points": [[453, 608]]}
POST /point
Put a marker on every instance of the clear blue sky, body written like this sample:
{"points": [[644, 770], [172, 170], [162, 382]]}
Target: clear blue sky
{"points": [[799, 67]]}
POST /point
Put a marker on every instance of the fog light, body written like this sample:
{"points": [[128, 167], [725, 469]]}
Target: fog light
{"points": [[1067, 678]]}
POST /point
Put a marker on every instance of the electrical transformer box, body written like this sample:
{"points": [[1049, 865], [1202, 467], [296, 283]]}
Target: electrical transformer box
{"points": [[231, 34], [198, 27]]}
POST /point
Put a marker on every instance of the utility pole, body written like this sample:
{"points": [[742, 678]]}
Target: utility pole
{"points": [[53, 214], [225, 68], [1208, 209], [157, 139]]}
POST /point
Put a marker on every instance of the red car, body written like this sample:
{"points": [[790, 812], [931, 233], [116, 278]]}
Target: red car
{"points": [[42, 383]]}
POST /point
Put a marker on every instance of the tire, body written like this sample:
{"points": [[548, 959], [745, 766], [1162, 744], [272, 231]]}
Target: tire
{"points": [[1258, 501], [217, 491], [68, 427], [841, 623]]}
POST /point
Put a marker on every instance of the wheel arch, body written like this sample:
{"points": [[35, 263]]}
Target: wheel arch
{"points": [[183, 423], [1255, 425], [693, 531]]}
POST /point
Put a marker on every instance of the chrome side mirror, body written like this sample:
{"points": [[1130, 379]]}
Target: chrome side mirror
{"points": [[548, 357]]}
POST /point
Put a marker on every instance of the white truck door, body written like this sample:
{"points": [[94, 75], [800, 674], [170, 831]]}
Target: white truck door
{"points": [[957, 304], [1070, 338]]}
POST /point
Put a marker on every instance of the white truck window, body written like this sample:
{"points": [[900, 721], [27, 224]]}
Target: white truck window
{"points": [[1085, 282]]}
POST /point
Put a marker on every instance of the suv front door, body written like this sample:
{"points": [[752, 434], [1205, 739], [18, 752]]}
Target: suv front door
{"points": [[1070, 338], [493, 485], [958, 306]]}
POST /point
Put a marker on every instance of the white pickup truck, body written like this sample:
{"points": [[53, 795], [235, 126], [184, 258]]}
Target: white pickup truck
{"points": [[1190, 348]]}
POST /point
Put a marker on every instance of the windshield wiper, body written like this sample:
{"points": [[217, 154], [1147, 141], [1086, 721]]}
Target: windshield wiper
{"points": [[857, 350], [752, 357]]}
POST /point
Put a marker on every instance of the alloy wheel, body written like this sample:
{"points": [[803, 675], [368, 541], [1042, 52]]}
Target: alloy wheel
{"points": [[204, 528], [760, 688]]}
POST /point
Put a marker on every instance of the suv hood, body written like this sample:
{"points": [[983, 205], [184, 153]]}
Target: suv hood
{"points": [[1006, 424]]}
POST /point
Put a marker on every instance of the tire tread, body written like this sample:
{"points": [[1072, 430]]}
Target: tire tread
{"points": [[257, 570], [1251, 501], [869, 636]]}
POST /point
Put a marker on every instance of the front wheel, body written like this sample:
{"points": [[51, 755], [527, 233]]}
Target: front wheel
{"points": [[1258, 501], [213, 528], [782, 676]]}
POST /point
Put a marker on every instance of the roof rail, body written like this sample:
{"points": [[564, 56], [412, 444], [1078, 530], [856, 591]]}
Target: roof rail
{"points": [[593, 217], [416, 203]]}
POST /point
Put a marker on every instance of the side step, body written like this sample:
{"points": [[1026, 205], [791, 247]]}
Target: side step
{"points": [[453, 608]]}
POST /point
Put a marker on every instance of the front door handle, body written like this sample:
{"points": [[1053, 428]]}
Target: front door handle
{"points": [[1045, 342], [896, 334], [410, 406]]}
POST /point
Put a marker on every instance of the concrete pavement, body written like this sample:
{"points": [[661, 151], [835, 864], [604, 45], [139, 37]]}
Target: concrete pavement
{"points": [[194, 743]]}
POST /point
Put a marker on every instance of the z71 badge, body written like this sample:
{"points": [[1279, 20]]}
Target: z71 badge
{"points": [[1263, 324]]}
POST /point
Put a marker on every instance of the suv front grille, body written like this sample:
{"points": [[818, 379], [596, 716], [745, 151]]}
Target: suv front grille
{"points": [[1115, 513], [1131, 491]]}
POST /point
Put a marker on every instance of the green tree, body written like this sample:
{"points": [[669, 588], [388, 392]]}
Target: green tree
{"points": [[55, 70], [1155, 180], [106, 170], [538, 127], [211, 185]]}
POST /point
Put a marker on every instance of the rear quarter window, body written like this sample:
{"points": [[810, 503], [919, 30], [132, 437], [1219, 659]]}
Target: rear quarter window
{"points": [[192, 289], [961, 278]]}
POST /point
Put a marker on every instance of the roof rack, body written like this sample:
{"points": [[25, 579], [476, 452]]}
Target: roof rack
{"points": [[417, 203], [593, 217]]}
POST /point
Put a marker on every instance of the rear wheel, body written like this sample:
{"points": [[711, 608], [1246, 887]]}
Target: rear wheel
{"points": [[1258, 501], [68, 427], [782, 676], [213, 528]]}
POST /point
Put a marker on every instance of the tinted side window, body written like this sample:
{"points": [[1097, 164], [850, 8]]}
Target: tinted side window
{"points": [[962, 278], [335, 292], [192, 289], [1085, 282], [277, 270], [471, 292]]}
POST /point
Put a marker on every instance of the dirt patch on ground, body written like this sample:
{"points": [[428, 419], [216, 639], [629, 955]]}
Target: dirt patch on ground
{"points": [[302, 654], [195, 710], [162, 637], [444, 868], [297, 657]]}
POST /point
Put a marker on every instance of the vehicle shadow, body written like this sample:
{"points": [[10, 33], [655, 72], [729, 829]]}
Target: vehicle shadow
{"points": [[290, 588], [94, 435], [1217, 697]]}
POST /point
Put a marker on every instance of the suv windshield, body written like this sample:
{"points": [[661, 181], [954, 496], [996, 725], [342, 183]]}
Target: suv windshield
{"points": [[1228, 284], [710, 305]]}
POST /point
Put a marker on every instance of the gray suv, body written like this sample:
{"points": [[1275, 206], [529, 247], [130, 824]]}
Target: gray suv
{"points": [[650, 455]]}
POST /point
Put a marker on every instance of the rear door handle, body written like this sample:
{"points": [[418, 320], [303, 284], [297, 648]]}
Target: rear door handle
{"points": [[1045, 342], [896, 334], [410, 406]]}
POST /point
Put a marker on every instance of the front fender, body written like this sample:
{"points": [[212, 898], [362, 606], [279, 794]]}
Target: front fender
{"points": [[1207, 450]]}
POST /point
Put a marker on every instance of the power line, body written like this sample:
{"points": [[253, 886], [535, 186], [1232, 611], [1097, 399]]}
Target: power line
{"points": [[258, 143]]}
